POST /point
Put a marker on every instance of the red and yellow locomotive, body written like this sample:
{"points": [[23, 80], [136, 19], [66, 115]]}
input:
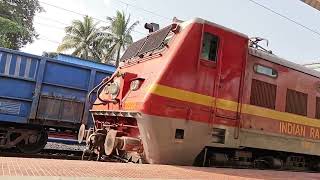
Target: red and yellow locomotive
{"points": [[199, 93]]}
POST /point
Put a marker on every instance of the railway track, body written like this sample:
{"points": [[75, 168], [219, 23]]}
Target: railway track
{"points": [[57, 154], [45, 154]]}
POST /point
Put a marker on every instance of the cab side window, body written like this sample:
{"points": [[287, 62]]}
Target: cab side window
{"points": [[210, 47]]}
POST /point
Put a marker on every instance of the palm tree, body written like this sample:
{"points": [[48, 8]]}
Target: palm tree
{"points": [[120, 34], [83, 37]]}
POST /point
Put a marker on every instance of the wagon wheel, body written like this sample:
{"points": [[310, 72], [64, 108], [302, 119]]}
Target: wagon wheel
{"points": [[35, 143]]}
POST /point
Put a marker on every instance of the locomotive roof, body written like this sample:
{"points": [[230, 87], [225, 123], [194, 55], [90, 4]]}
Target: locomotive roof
{"points": [[202, 21], [283, 62]]}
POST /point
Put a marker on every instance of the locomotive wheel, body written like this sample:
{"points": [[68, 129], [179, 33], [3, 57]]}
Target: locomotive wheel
{"points": [[109, 143], [35, 143], [81, 133], [88, 133]]}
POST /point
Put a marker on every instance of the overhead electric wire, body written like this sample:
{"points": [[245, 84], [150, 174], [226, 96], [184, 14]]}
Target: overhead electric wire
{"points": [[287, 18], [80, 14], [53, 20], [156, 14], [145, 10], [58, 7], [43, 38], [49, 25], [47, 39]]}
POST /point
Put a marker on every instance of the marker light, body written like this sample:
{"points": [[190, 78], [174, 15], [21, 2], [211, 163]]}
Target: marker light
{"points": [[134, 85]]}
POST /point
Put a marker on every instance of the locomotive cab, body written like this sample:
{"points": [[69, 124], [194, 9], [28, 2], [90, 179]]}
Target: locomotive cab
{"points": [[177, 92]]}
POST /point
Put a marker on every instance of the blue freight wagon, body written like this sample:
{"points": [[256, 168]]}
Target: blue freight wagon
{"points": [[38, 93]]}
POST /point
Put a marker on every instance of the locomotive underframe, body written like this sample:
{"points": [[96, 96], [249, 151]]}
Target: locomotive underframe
{"points": [[256, 158]]}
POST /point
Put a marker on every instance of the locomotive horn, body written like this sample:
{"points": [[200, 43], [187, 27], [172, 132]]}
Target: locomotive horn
{"points": [[152, 27]]}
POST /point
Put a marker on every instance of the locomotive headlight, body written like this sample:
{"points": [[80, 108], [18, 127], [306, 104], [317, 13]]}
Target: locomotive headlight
{"points": [[134, 85], [113, 88]]}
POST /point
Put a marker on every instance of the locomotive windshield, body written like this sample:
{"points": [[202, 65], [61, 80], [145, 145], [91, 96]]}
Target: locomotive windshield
{"points": [[152, 42], [210, 47]]}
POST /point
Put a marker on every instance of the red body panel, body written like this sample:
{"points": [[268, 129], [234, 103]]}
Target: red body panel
{"points": [[287, 79]]}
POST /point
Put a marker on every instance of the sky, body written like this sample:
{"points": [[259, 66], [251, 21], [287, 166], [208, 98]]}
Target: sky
{"points": [[286, 39]]}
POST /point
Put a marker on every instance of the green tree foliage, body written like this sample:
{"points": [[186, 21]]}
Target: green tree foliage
{"points": [[7, 26], [88, 40], [85, 39], [17, 22], [120, 34]]}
